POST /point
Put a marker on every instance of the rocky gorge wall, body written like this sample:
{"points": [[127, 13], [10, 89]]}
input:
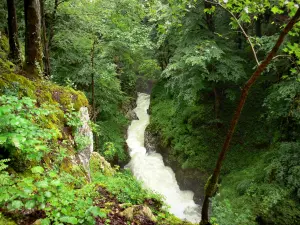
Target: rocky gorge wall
{"points": [[188, 179]]}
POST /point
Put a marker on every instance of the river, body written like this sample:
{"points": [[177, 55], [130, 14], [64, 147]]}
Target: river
{"points": [[149, 167]]}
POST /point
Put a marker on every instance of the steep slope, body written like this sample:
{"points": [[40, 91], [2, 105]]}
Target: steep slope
{"points": [[49, 173]]}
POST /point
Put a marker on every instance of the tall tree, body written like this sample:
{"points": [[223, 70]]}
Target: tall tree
{"points": [[13, 32], [46, 58], [33, 48], [52, 23], [213, 180]]}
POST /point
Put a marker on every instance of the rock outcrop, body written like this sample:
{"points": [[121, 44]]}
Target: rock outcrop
{"points": [[98, 162], [139, 213], [86, 131]]}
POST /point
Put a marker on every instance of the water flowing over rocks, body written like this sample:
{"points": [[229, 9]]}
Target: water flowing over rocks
{"points": [[188, 179], [150, 169]]}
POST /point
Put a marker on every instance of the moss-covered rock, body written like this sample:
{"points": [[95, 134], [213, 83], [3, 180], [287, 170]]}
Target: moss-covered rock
{"points": [[138, 211], [70, 167], [58, 99], [97, 162], [52, 97], [43, 91]]}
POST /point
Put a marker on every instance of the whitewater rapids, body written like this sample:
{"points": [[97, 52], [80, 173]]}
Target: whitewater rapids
{"points": [[149, 168]]}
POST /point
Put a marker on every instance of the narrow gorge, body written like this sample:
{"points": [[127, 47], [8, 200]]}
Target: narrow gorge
{"points": [[148, 167]]}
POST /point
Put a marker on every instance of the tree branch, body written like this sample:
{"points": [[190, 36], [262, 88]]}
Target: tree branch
{"points": [[278, 56], [241, 27], [213, 180], [62, 1]]}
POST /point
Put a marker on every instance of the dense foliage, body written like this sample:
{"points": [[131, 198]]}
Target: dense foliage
{"points": [[199, 54], [206, 61]]}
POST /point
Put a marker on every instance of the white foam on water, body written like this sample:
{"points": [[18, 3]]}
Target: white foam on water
{"points": [[150, 169]]}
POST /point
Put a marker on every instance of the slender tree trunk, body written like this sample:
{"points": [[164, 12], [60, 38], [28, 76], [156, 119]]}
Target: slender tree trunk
{"points": [[93, 81], [94, 111], [46, 59], [258, 27], [213, 180], [33, 48], [209, 17], [14, 53], [51, 25], [217, 103]]}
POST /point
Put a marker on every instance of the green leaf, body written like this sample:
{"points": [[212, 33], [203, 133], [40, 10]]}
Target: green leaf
{"points": [[37, 169], [96, 211], [16, 141], [30, 204], [69, 219], [45, 221], [55, 183], [52, 174], [48, 194], [276, 10], [42, 184], [2, 140], [17, 204]]}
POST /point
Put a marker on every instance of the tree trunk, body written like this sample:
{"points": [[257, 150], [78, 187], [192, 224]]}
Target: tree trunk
{"points": [[14, 52], [93, 81], [258, 27], [211, 185], [33, 48], [217, 103], [51, 25], [209, 17], [46, 59]]}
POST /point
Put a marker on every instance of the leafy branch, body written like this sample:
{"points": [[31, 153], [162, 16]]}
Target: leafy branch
{"points": [[240, 26]]}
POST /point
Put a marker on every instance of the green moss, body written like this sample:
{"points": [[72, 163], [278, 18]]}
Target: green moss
{"points": [[98, 163], [6, 221], [211, 186], [43, 91], [167, 219], [69, 167], [17, 84], [57, 98], [4, 44], [64, 96], [5, 64]]}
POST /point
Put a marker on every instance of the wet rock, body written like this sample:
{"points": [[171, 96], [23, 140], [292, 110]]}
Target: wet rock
{"points": [[131, 115], [128, 109], [150, 141]]}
